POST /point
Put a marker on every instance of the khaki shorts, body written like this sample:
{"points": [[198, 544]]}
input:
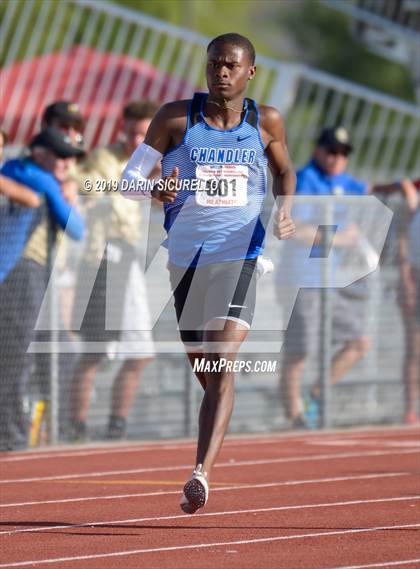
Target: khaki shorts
{"points": [[303, 332]]}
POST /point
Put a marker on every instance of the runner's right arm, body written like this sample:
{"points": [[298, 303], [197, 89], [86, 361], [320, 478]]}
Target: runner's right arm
{"points": [[165, 131]]}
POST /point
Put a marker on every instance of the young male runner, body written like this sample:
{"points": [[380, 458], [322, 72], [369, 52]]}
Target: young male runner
{"points": [[215, 150]]}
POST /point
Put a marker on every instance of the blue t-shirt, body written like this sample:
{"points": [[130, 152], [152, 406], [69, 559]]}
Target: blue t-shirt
{"points": [[312, 181], [16, 222]]}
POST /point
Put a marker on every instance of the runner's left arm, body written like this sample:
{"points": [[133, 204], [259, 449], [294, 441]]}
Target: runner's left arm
{"points": [[284, 178]]}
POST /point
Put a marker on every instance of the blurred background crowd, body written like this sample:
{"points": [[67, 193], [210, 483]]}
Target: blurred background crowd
{"points": [[78, 92]]}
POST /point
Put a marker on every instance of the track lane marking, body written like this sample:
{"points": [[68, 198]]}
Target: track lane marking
{"points": [[140, 447], [207, 545], [229, 464], [414, 443], [211, 514], [381, 564], [220, 489], [231, 441]]}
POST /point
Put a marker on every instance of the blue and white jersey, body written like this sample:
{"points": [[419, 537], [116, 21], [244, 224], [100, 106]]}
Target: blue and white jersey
{"points": [[216, 215]]}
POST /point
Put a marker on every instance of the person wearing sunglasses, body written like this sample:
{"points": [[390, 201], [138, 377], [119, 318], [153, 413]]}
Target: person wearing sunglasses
{"points": [[324, 175]]}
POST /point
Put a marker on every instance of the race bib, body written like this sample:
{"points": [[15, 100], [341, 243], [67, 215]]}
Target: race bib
{"points": [[222, 185]]}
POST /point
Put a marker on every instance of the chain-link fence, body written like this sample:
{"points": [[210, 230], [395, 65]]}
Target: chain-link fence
{"points": [[75, 362], [101, 56]]}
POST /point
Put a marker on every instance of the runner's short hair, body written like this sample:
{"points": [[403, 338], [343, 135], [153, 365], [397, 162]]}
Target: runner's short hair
{"points": [[139, 110], [236, 40]]}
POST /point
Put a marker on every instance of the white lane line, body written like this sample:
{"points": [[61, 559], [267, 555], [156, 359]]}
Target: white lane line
{"points": [[218, 489], [141, 447], [207, 545], [230, 464], [91, 452], [366, 443], [225, 513], [382, 564], [231, 441], [144, 446]]}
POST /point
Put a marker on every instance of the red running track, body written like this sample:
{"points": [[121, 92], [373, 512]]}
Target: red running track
{"points": [[335, 500]]}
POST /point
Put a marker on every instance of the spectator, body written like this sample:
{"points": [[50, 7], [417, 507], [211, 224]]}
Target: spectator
{"points": [[324, 175], [114, 225], [66, 117], [10, 190], [409, 299], [23, 273], [408, 293]]}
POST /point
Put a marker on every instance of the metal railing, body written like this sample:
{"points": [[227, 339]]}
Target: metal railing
{"points": [[398, 18], [102, 55]]}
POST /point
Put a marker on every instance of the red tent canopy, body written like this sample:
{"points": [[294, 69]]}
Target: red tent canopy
{"points": [[100, 82]]}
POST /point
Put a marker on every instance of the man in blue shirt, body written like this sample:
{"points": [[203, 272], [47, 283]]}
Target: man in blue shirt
{"points": [[25, 247], [324, 175], [42, 172]]}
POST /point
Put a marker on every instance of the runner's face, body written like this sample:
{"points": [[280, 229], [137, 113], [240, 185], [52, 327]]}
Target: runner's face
{"points": [[331, 161], [228, 71]]}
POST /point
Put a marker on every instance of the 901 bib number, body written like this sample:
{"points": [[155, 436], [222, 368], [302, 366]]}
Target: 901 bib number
{"points": [[222, 186]]}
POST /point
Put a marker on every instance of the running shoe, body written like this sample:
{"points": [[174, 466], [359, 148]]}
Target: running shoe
{"points": [[196, 492]]}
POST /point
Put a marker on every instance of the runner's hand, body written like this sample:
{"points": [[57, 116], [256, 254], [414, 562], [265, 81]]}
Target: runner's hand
{"points": [[166, 190]]}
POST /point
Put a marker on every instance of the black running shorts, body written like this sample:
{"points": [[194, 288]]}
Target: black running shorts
{"points": [[224, 291]]}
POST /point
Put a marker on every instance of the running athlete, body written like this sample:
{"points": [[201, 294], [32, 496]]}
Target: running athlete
{"points": [[215, 149]]}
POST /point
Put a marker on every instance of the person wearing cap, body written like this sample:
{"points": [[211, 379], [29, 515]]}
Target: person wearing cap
{"points": [[324, 175], [51, 156], [26, 247], [66, 117]]}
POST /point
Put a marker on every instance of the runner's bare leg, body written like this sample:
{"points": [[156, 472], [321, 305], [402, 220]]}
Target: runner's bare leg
{"points": [[217, 404], [200, 375]]}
